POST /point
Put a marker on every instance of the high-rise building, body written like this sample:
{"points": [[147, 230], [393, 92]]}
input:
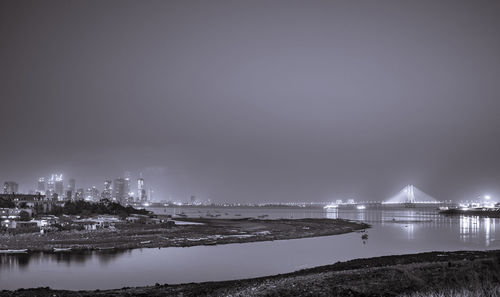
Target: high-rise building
{"points": [[128, 189], [107, 193], [51, 187], [41, 185], [10, 187], [127, 186], [72, 185], [193, 199], [141, 190], [70, 190], [56, 185], [119, 190], [150, 195], [68, 195], [79, 194], [92, 194]]}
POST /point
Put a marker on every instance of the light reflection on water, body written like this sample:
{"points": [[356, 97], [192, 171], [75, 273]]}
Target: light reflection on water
{"points": [[394, 231]]}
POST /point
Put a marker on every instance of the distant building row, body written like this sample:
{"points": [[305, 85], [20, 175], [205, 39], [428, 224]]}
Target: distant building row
{"points": [[118, 190]]}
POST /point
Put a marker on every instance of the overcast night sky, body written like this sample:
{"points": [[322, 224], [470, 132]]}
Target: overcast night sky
{"points": [[254, 100]]}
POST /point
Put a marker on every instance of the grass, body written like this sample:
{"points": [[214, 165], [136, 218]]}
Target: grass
{"points": [[484, 291]]}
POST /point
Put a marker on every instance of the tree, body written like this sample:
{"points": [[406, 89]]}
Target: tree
{"points": [[24, 215], [6, 203]]}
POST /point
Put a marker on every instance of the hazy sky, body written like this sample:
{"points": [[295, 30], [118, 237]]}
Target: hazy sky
{"points": [[254, 100]]}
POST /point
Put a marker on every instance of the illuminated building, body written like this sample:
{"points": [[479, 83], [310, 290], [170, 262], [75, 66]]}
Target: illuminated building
{"points": [[56, 185], [79, 194], [41, 185], [120, 191], [72, 185], [150, 195], [107, 193], [92, 194], [50, 187], [10, 187], [141, 190], [70, 191]]}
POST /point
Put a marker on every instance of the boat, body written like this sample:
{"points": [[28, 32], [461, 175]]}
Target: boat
{"points": [[361, 207], [62, 250], [22, 251], [329, 206], [146, 242]]}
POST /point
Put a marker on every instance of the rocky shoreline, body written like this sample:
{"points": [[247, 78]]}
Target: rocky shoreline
{"points": [[206, 232], [425, 274]]}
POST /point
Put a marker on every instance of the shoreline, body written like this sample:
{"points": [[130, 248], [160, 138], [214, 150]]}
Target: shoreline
{"points": [[471, 212], [397, 275], [208, 232]]}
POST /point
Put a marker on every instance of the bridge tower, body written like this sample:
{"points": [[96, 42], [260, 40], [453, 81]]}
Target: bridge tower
{"points": [[410, 194]]}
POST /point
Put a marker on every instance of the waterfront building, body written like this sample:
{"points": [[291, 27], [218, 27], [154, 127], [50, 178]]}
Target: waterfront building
{"points": [[10, 187]]}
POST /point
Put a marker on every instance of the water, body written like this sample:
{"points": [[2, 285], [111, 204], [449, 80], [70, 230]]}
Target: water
{"points": [[394, 232]]}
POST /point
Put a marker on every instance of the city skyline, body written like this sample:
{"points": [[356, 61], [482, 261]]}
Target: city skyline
{"points": [[119, 189]]}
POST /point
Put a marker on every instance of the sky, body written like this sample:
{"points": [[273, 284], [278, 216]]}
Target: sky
{"points": [[250, 101]]}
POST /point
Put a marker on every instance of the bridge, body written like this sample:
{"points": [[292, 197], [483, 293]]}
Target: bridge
{"points": [[411, 195]]}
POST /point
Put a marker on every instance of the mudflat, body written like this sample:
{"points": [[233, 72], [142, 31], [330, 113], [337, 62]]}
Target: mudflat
{"points": [[205, 232]]}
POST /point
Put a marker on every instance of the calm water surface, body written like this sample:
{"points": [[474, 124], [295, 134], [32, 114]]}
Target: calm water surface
{"points": [[393, 232]]}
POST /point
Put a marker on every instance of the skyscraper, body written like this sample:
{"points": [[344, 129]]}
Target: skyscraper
{"points": [[119, 190], [10, 187], [79, 194], [41, 185], [128, 190], [141, 190], [50, 186], [92, 194], [107, 193], [72, 185], [70, 191], [56, 184], [150, 195]]}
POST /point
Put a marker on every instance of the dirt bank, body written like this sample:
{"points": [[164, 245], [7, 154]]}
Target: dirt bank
{"points": [[209, 232], [406, 275]]}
